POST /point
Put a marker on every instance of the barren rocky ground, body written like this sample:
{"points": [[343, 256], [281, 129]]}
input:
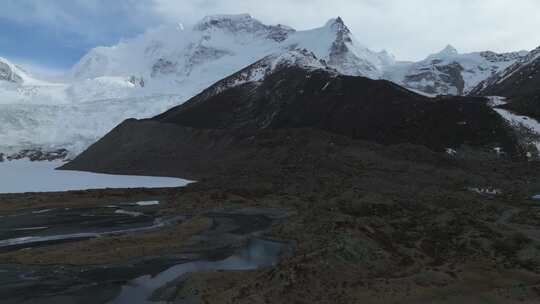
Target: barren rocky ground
{"points": [[368, 224]]}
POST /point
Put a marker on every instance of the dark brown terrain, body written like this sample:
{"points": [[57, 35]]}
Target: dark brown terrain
{"points": [[371, 224], [357, 181]]}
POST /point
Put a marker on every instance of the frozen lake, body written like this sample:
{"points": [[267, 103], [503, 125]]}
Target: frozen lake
{"points": [[26, 176]]}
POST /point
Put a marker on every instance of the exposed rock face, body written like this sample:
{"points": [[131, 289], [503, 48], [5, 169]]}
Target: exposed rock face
{"points": [[438, 79], [39, 155], [503, 57]]}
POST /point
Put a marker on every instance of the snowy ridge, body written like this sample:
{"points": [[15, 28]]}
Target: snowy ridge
{"points": [[449, 72], [529, 59], [268, 65], [243, 24]]}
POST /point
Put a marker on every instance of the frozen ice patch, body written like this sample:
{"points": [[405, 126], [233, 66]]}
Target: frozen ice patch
{"points": [[522, 121], [25, 176]]}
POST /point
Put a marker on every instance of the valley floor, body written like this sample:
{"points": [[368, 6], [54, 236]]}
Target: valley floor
{"points": [[366, 224]]}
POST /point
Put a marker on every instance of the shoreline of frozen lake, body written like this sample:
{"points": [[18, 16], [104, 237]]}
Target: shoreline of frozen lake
{"points": [[23, 176]]}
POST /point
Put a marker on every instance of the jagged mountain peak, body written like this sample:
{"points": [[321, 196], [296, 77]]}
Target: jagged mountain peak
{"points": [[448, 51], [338, 25]]}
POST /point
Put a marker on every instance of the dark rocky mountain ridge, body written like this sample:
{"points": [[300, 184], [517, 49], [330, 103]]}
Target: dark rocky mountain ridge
{"points": [[225, 127]]}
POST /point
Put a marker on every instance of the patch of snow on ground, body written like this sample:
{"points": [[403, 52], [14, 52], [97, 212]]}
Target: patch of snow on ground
{"points": [[451, 152], [486, 191], [495, 101], [147, 203], [130, 213], [25, 176], [422, 93], [519, 120]]}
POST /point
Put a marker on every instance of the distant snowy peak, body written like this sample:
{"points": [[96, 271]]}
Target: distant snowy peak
{"points": [[175, 60], [449, 72], [520, 78], [350, 57], [338, 25], [11, 73], [447, 52]]}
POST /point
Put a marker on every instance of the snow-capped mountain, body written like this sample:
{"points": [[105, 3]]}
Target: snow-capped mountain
{"points": [[160, 69], [164, 67], [171, 58], [522, 78], [449, 72]]}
